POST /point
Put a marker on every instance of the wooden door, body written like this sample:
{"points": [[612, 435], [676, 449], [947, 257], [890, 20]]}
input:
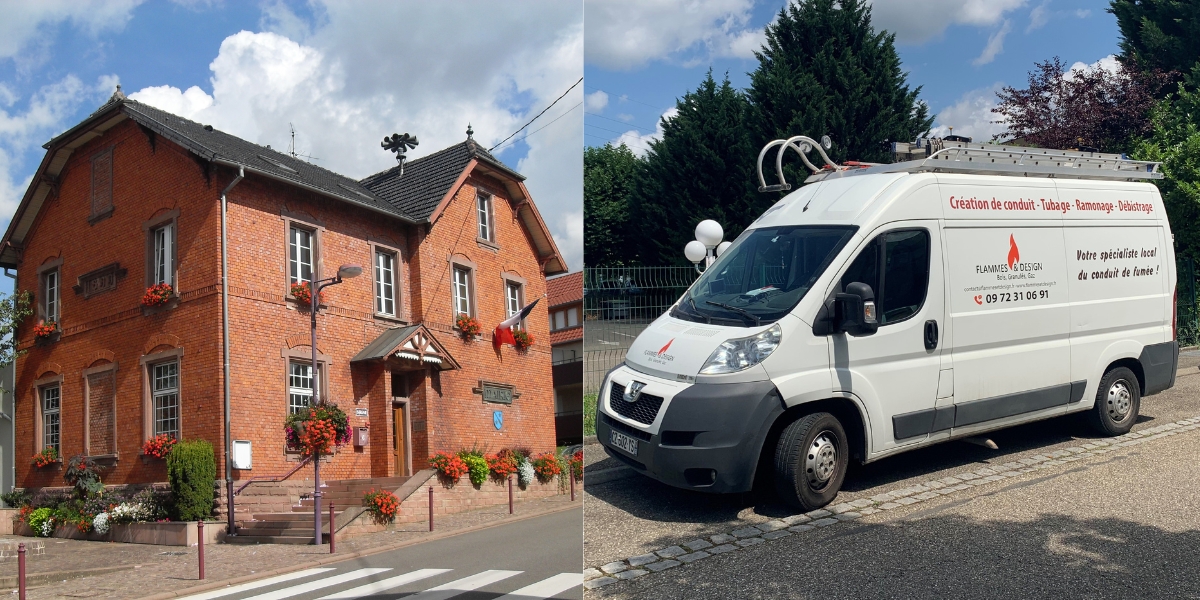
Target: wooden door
{"points": [[400, 439]]}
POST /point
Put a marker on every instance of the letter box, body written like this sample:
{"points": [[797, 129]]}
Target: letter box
{"points": [[362, 436]]}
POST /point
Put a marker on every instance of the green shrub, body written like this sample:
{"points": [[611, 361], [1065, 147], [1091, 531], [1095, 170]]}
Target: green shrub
{"points": [[192, 471], [41, 521], [477, 469], [17, 498]]}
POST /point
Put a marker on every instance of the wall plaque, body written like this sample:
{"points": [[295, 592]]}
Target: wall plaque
{"points": [[502, 394], [99, 280]]}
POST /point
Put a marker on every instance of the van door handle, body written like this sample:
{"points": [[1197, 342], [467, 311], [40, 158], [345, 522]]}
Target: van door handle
{"points": [[931, 334]]}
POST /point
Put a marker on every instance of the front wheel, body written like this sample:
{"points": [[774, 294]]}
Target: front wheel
{"points": [[1118, 400], [810, 461]]}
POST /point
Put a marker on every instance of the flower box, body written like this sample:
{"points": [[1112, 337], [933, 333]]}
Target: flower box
{"points": [[175, 533]]}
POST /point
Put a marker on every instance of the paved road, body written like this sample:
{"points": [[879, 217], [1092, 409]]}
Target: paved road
{"points": [[1124, 524], [526, 560], [635, 515], [612, 335]]}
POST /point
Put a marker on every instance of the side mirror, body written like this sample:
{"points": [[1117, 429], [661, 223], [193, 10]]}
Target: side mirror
{"points": [[854, 310]]}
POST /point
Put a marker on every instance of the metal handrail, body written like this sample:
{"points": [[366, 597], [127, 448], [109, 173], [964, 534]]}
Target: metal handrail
{"points": [[273, 478]]}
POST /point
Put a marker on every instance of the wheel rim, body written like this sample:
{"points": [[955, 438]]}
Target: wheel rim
{"points": [[1119, 401], [821, 460]]}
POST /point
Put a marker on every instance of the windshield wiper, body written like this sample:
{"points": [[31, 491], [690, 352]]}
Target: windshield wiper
{"points": [[735, 309], [707, 320]]}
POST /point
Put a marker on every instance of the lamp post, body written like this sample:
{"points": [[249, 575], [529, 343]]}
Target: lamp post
{"points": [[314, 303], [707, 246]]}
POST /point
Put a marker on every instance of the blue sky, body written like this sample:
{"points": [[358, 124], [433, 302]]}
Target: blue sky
{"points": [[343, 74], [641, 55]]}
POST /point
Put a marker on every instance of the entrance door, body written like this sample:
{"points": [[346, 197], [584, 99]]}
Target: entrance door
{"points": [[894, 372], [400, 439]]}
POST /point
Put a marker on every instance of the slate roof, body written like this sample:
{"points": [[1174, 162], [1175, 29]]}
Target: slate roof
{"points": [[215, 145], [384, 344], [425, 180], [565, 289]]}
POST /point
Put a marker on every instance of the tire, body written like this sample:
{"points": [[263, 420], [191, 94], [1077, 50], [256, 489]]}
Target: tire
{"points": [[810, 461], [1118, 400]]}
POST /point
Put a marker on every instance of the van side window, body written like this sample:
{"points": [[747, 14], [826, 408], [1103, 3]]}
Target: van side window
{"points": [[900, 288]]}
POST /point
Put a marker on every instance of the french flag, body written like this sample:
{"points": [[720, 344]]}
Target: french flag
{"points": [[503, 332]]}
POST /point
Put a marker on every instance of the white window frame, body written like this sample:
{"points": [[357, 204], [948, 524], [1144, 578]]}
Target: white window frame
{"points": [[560, 320], [160, 391], [52, 301], [386, 298], [296, 263], [514, 293], [300, 370], [48, 414], [573, 316], [163, 257], [483, 212], [461, 286]]}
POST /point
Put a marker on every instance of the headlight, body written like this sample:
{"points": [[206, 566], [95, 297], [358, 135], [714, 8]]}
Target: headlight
{"points": [[742, 353]]}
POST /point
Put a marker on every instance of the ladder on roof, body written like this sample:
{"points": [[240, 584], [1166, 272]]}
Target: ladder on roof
{"points": [[967, 157]]}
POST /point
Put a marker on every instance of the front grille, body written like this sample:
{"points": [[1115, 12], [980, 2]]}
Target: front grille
{"points": [[623, 428], [643, 411]]}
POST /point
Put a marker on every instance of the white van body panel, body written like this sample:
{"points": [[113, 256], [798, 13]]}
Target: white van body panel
{"points": [[1036, 287]]}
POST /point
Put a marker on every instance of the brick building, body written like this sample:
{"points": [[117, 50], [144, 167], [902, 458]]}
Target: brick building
{"points": [[132, 197], [566, 345]]}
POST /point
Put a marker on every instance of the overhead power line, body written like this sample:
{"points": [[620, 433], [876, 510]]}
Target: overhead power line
{"points": [[565, 113], [539, 114], [621, 122]]}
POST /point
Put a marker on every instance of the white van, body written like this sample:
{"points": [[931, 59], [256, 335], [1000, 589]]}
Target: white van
{"points": [[885, 308]]}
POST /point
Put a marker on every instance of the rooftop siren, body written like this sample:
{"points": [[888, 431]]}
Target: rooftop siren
{"points": [[802, 144]]}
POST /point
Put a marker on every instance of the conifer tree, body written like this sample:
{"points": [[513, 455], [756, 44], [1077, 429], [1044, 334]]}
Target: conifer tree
{"points": [[1160, 35], [702, 168], [825, 70], [609, 173]]}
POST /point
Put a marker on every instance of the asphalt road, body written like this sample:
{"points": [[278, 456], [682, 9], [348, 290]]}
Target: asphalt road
{"points": [[525, 560], [635, 515], [612, 335], [1121, 525]]}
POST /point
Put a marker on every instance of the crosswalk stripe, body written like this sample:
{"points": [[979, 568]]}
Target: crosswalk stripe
{"points": [[386, 584], [253, 585], [546, 587], [296, 590], [466, 584]]}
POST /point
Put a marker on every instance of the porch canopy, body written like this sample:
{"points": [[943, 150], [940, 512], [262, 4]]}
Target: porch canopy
{"points": [[411, 347]]}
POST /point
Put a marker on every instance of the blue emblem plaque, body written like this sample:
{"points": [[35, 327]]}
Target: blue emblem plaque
{"points": [[498, 419]]}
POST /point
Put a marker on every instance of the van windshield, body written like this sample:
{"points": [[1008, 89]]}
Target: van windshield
{"points": [[763, 275]]}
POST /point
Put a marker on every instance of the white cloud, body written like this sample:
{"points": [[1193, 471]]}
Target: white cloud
{"points": [[1108, 63], [596, 101], [917, 23], [346, 79], [639, 142], [1083, 13], [627, 34], [995, 45], [971, 116], [27, 24], [1038, 17]]}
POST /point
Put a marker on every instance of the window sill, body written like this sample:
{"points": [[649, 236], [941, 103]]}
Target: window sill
{"points": [[295, 304], [154, 310], [111, 459], [50, 339], [147, 459], [390, 319], [54, 465], [100, 216], [488, 244]]}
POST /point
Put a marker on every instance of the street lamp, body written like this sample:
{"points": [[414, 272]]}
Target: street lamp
{"points": [[314, 303], [707, 246]]}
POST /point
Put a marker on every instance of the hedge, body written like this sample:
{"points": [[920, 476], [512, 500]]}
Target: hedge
{"points": [[192, 471]]}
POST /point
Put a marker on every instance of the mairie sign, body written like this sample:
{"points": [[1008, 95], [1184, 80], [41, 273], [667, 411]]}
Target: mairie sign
{"points": [[497, 393]]}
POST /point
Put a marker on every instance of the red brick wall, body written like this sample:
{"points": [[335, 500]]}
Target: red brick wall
{"points": [[266, 325]]}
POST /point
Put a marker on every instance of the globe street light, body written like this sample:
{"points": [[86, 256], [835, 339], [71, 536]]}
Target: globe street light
{"points": [[707, 246], [314, 304]]}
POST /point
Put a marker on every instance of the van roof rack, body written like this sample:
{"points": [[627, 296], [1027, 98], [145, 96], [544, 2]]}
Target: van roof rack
{"points": [[965, 157]]}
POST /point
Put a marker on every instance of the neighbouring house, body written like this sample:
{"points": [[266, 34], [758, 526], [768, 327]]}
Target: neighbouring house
{"points": [[566, 344], [132, 198]]}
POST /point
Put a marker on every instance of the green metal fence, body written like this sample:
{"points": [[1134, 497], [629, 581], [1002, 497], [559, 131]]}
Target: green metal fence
{"points": [[618, 303], [1187, 311]]}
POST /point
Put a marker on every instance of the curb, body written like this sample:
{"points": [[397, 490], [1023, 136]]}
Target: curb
{"points": [[751, 534], [10, 581], [336, 558]]}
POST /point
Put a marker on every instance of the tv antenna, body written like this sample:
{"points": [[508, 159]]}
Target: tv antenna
{"points": [[292, 147]]}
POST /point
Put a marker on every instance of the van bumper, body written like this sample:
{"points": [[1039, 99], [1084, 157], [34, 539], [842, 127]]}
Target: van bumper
{"points": [[709, 439]]}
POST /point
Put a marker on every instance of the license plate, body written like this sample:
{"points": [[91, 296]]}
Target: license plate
{"points": [[623, 442]]}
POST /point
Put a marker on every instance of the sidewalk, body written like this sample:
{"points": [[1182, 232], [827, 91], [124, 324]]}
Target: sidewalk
{"points": [[145, 570]]}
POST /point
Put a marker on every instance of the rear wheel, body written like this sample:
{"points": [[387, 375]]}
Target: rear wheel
{"points": [[810, 461], [1118, 400]]}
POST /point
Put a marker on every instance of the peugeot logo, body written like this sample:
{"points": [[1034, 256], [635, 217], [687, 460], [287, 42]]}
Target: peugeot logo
{"points": [[633, 391]]}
